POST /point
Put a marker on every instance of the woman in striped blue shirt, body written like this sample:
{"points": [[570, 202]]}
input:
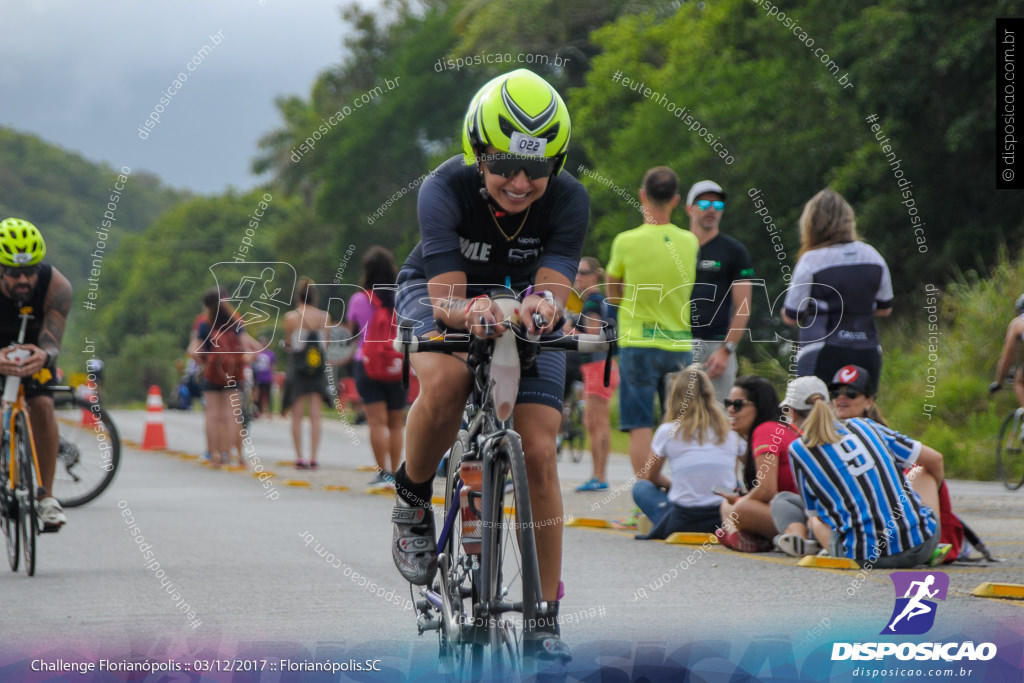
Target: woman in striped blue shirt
{"points": [[859, 503]]}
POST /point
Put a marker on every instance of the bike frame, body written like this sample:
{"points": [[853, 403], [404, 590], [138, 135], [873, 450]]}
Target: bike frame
{"points": [[10, 417], [11, 410], [486, 438]]}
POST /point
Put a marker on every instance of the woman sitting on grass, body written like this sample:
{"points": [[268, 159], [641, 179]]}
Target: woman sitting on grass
{"points": [[702, 452]]}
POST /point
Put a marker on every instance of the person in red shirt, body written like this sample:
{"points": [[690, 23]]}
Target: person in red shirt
{"points": [[754, 413]]}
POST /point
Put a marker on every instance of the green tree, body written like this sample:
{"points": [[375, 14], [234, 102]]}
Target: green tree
{"points": [[159, 277], [793, 127]]}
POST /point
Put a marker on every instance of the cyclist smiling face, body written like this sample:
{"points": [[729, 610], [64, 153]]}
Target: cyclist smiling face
{"points": [[513, 194]]}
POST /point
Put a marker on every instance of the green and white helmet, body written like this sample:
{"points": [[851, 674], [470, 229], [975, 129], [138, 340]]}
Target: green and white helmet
{"points": [[21, 243], [518, 113]]}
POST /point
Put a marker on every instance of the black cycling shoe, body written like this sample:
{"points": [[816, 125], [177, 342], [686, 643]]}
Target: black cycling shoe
{"points": [[550, 647], [545, 643], [415, 549]]}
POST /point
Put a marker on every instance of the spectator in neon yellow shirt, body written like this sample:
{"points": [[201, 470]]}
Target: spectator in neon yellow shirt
{"points": [[650, 279]]}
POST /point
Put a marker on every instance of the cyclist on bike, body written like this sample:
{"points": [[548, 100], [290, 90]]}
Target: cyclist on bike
{"points": [[1011, 351], [25, 281], [486, 216]]}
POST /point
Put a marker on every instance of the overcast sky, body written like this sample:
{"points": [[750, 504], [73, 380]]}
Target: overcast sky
{"points": [[85, 74]]}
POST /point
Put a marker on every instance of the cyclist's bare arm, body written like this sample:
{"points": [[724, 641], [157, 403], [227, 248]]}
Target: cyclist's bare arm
{"points": [[1010, 345], [550, 291], [479, 316], [55, 315]]}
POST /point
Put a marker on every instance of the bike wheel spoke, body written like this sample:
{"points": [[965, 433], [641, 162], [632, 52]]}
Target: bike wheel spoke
{"points": [[89, 452], [1010, 451], [29, 520]]}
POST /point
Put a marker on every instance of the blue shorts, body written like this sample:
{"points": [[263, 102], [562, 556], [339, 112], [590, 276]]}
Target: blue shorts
{"points": [[544, 383], [642, 374]]}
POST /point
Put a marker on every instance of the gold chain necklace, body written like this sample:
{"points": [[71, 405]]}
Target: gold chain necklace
{"points": [[498, 225]]}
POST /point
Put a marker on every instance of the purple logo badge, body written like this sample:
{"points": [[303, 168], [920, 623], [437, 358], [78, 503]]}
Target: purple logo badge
{"points": [[914, 612]]}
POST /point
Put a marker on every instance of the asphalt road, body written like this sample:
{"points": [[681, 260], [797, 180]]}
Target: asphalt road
{"points": [[239, 575]]}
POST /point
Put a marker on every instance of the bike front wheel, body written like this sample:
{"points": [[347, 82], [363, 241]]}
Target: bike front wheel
{"points": [[27, 487], [9, 522], [1010, 450], [89, 453], [456, 582], [510, 573]]}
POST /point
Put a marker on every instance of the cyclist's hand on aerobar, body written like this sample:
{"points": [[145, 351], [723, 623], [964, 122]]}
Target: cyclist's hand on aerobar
{"points": [[27, 367], [542, 303], [483, 318]]}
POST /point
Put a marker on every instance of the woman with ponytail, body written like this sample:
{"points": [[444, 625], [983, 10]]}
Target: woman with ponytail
{"points": [[859, 504]]}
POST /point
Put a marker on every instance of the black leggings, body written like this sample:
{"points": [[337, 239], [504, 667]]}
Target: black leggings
{"points": [[826, 361]]}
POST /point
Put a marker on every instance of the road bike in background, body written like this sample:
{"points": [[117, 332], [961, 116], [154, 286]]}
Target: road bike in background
{"points": [[1010, 450], [89, 453], [573, 436]]}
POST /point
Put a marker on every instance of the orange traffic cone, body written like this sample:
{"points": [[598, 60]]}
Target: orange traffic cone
{"points": [[154, 437], [88, 393]]}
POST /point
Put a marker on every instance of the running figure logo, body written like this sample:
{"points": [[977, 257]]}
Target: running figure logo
{"points": [[914, 613]]}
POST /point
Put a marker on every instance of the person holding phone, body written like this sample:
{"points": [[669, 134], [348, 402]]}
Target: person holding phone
{"points": [[702, 452]]}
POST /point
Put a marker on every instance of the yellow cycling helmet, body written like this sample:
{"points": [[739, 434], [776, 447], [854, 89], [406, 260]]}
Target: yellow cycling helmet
{"points": [[520, 114], [21, 243]]}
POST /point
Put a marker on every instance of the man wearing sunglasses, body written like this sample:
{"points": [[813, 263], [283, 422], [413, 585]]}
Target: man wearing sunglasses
{"points": [[25, 281], [721, 297], [502, 209]]}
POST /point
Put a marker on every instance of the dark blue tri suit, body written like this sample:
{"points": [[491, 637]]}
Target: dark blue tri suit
{"points": [[459, 233]]}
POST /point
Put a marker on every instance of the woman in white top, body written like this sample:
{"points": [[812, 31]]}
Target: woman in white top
{"points": [[702, 452]]}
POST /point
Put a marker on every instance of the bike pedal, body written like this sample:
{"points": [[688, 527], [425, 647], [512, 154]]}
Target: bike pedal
{"points": [[50, 528]]}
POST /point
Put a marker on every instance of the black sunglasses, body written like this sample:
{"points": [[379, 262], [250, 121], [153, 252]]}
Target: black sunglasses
{"points": [[14, 271], [736, 404], [847, 392], [508, 165], [585, 272]]}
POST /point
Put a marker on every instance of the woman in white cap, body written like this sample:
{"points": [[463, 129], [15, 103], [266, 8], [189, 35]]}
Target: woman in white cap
{"points": [[858, 502], [788, 511]]}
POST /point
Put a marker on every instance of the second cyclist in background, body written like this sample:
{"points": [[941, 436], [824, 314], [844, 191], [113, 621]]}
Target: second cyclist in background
{"points": [[1012, 346], [26, 281]]}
